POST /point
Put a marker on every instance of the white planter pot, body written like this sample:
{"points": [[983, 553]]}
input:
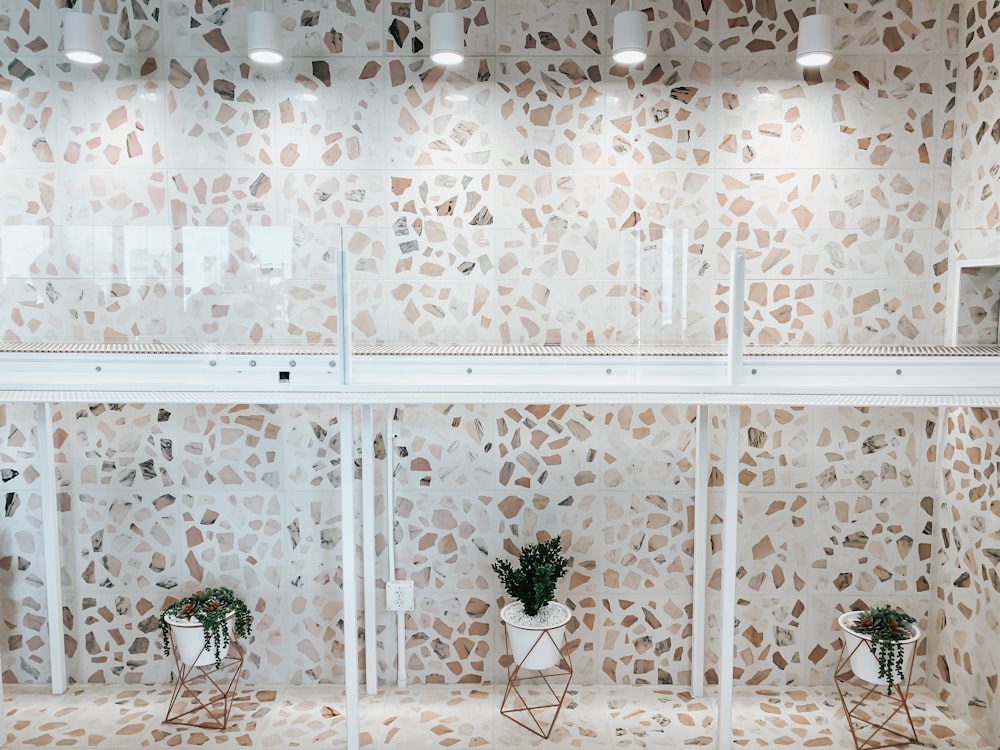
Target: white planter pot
{"points": [[863, 662], [187, 639], [535, 643]]}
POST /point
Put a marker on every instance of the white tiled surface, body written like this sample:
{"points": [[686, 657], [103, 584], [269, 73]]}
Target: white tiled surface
{"points": [[106, 716]]}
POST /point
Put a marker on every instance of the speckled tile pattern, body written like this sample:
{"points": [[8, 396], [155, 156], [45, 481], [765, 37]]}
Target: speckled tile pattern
{"points": [[537, 194], [441, 717], [538, 132], [977, 140], [157, 499], [964, 667], [161, 500]]}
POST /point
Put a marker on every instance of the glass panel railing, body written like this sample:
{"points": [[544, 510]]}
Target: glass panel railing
{"points": [[230, 285], [491, 286]]}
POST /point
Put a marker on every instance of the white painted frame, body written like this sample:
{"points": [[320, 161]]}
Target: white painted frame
{"points": [[956, 291]]}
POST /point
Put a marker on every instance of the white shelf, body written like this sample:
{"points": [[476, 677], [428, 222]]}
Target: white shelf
{"points": [[927, 376]]}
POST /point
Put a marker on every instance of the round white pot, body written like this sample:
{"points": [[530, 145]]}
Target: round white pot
{"points": [[863, 662], [187, 638], [529, 637]]}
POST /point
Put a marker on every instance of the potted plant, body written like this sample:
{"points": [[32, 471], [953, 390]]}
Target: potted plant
{"points": [[203, 624], [880, 641], [535, 623]]}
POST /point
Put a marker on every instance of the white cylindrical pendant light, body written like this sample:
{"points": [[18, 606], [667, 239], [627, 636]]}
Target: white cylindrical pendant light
{"points": [[83, 40], [815, 44], [628, 42], [264, 37], [447, 39]]}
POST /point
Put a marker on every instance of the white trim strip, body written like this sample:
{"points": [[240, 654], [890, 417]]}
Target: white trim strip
{"points": [[727, 616], [702, 459], [368, 539], [53, 550], [349, 566]]}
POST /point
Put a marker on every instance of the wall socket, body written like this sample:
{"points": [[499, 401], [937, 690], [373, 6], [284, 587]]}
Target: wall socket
{"points": [[399, 596]]}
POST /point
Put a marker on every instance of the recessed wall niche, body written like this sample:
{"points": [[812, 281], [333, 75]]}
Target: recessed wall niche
{"points": [[978, 314]]}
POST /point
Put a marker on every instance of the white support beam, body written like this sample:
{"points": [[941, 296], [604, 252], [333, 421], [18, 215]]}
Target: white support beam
{"points": [[343, 318], [368, 541], [737, 278], [349, 561], [702, 459], [727, 617], [390, 536], [50, 543]]}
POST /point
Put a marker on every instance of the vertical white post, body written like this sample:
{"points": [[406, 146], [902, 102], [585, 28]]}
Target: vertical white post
{"points": [[50, 543], [737, 283], [390, 529], [727, 618], [701, 462], [349, 562], [343, 318], [368, 539]]}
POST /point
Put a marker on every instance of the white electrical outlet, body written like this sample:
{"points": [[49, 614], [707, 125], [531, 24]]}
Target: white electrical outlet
{"points": [[399, 596]]}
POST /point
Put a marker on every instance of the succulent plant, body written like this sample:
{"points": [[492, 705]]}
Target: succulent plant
{"points": [[210, 607], [887, 627]]}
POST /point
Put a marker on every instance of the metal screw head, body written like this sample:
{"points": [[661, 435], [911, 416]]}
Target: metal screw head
{"points": [[292, 363], [333, 363], [899, 372], [98, 368], [253, 362], [469, 370], [211, 363]]}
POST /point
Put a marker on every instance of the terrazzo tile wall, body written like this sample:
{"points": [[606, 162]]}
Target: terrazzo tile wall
{"points": [[964, 661], [156, 500], [538, 194], [837, 510]]}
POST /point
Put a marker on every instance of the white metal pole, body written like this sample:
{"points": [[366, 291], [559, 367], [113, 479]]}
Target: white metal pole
{"points": [[349, 562], [701, 463], [390, 527], [50, 542], [727, 621], [368, 540], [737, 279], [343, 318]]}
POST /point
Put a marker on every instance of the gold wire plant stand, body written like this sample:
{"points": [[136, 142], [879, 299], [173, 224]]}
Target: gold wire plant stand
{"points": [[869, 711], [204, 696], [537, 694]]}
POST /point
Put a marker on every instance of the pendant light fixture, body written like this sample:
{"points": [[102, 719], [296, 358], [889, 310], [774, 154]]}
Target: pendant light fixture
{"points": [[82, 38], [447, 38], [264, 37], [628, 41], [815, 43]]}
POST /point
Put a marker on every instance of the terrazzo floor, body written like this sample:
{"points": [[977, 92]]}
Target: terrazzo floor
{"points": [[107, 716]]}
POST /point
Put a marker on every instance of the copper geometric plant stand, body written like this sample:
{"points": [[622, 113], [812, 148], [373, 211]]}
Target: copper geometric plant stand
{"points": [[519, 702], [857, 711], [204, 696]]}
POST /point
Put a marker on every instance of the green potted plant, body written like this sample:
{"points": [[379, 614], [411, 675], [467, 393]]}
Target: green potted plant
{"points": [[881, 642], [202, 625], [534, 615]]}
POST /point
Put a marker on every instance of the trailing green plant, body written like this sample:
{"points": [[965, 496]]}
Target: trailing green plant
{"points": [[887, 627], [534, 582], [210, 607]]}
